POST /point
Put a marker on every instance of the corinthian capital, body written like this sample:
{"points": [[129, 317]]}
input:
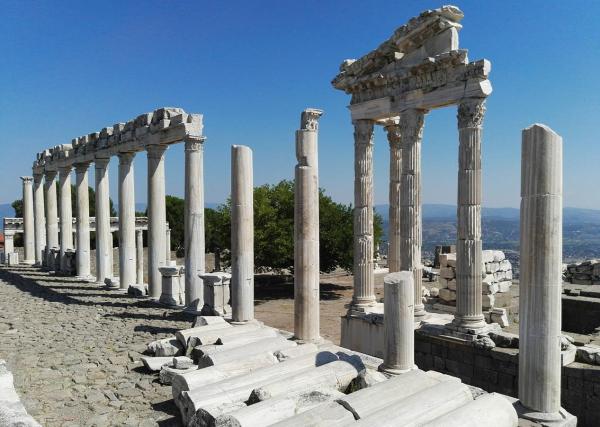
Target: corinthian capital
{"points": [[309, 119], [411, 125], [363, 131], [471, 112], [394, 134]]}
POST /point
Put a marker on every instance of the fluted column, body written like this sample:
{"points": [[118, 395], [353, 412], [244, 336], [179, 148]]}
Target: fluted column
{"points": [[139, 259], [541, 275], [364, 275], [28, 221], [104, 268], [394, 251], [82, 255], [39, 218], [168, 246], [51, 215], [66, 215], [242, 234], [306, 229], [157, 217], [127, 252], [411, 130], [468, 246], [194, 223]]}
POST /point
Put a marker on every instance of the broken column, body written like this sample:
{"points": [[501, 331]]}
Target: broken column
{"points": [[398, 323], [194, 223], [541, 275], [394, 139], [157, 217], [306, 229], [242, 234], [139, 259], [411, 130], [104, 268], [469, 313], [364, 276], [168, 246], [51, 217], [39, 218], [83, 221], [66, 215], [28, 221], [127, 252]]}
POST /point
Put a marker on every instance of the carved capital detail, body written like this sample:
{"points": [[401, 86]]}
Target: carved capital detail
{"points": [[194, 144], [27, 179], [394, 134], [81, 167], [126, 158], [471, 112], [411, 125], [309, 119], [363, 131]]}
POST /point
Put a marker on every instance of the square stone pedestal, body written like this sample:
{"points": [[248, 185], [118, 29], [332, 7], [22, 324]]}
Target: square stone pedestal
{"points": [[12, 258], [217, 294], [173, 291]]}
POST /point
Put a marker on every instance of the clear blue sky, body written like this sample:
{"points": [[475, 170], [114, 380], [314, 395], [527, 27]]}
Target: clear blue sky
{"points": [[70, 68]]}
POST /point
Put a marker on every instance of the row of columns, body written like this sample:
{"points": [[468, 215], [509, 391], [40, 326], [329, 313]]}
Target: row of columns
{"points": [[405, 136]]}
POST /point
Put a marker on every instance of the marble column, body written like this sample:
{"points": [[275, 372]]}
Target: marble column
{"points": [[82, 255], [168, 246], [157, 218], [394, 250], [398, 323], [306, 229], [469, 313], [411, 130], [364, 275], [51, 215], [541, 275], [194, 224], [104, 268], [242, 234], [66, 215], [28, 221], [139, 259], [127, 252], [39, 218]]}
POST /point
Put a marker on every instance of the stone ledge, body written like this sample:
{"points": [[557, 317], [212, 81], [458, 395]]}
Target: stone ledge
{"points": [[12, 411]]}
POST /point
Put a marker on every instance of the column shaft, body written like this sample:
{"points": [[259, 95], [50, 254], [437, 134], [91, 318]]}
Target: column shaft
{"points": [[168, 246], [139, 259], [411, 129], [51, 215], [306, 229], [242, 234], [394, 138], [127, 252], [39, 218], [468, 246], [104, 267], [364, 277], [157, 217], [82, 255], [66, 215], [541, 275], [28, 221], [194, 223]]}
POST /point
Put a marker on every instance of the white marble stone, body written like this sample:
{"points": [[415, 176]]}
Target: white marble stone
{"points": [[127, 239], [39, 218], [104, 269], [66, 215], [156, 217], [28, 221], [83, 221], [51, 215]]}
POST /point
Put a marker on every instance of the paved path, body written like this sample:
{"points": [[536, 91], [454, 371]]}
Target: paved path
{"points": [[74, 351]]}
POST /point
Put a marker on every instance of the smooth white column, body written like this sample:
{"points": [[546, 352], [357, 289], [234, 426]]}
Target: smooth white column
{"points": [[194, 223], [51, 214], [306, 229], [127, 252], [66, 214], [364, 275], [104, 268], [398, 323], [411, 129], [168, 246], [541, 276], [157, 217], [242, 234], [468, 246], [139, 259], [394, 138], [82, 254], [28, 221], [39, 218]]}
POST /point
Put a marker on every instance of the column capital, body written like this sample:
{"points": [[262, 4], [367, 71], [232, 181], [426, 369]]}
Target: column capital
{"points": [[394, 134], [471, 112], [27, 180], [82, 167], [156, 150], [50, 175], [363, 131], [194, 143], [65, 170], [309, 119], [37, 177], [126, 158], [101, 162], [411, 124]]}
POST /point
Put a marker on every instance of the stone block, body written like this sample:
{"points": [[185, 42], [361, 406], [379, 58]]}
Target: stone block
{"points": [[13, 258], [499, 316], [447, 272], [488, 288], [182, 362], [443, 283], [434, 292], [487, 301], [452, 285], [504, 286], [172, 292], [588, 354], [447, 295], [217, 294]]}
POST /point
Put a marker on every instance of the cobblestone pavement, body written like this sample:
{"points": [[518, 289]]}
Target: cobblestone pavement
{"points": [[74, 351]]}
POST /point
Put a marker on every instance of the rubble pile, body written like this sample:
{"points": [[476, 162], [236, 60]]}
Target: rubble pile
{"points": [[583, 273]]}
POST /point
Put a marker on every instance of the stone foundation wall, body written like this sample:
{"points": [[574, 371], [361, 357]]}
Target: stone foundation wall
{"points": [[497, 370], [580, 314]]}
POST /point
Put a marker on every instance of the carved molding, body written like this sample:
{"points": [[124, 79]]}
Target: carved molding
{"points": [[411, 125], [195, 144], [471, 112]]}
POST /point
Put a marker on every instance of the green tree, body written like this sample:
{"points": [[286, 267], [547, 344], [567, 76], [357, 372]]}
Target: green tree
{"points": [[175, 213], [217, 226]]}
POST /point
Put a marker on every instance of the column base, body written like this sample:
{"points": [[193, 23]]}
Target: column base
{"points": [[88, 278], [546, 419], [420, 312], [28, 262], [316, 341], [394, 371], [470, 323]]}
